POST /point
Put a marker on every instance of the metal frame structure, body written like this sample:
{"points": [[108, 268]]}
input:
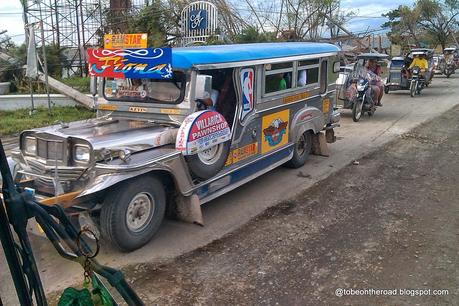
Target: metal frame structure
{"points": [[73, 25], [199, 35]]}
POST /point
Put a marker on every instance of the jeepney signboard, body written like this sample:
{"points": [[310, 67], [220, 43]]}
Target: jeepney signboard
{"points": [[145, 63], [125, 41], [200, 131]]}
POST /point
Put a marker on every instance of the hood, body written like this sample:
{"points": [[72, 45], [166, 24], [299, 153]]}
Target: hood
{"points": [[107, 133]]}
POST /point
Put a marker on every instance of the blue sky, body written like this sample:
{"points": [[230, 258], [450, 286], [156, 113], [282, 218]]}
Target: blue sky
{"points": [[11, 18]]}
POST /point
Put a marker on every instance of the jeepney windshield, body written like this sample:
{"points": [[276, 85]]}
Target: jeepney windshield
{"points": [[146, 90]]}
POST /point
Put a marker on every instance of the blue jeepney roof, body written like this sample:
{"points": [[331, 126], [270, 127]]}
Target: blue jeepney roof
{"points": [[186, 57]]}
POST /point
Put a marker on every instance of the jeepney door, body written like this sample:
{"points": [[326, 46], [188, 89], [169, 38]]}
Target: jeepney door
{"points": [[246, 126]]}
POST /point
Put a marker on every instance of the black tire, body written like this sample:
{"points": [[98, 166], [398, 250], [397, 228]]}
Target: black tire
{"points": [[386, 89], [412, 88], [301, 150], [117, 221], [448, 75], [204, 165], [357, 110]]}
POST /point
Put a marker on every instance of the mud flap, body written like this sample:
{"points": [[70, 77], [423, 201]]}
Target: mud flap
{"points": [[319, 145], [188, 209]]}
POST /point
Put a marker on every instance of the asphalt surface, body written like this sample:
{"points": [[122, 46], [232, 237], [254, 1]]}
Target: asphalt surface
{"points": [[383, 231], [399, 115]]}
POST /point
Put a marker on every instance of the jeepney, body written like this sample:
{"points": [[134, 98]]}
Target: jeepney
{"points": [[155, 147]]}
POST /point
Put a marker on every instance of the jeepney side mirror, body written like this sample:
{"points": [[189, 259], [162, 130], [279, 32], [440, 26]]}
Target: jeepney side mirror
{"points": [[336, 67], [203, 86], [93, 85]]}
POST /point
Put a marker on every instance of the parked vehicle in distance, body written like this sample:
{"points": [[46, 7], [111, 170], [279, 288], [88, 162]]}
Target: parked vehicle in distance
{"points": [[159, 145]]}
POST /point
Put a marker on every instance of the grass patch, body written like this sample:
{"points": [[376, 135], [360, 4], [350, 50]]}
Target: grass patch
{"points": [[13, 122], [79, 83]]}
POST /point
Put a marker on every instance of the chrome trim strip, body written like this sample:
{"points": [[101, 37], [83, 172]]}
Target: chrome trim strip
{"points": [[130, 168]]}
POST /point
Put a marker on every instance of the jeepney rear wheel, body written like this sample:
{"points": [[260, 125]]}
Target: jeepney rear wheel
{"points": [[132, 212], [301, 150], [207, 163], [386, 89]]}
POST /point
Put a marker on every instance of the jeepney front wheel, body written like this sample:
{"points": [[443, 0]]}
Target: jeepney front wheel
{"points": [[132, 213], [301, 150]]}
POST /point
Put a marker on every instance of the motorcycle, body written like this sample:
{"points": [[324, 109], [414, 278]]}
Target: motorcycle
{"points": [[450, 68], [363, 101], [417, 81]]}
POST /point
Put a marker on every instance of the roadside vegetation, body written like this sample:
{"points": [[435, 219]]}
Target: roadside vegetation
{"points": [[13, 122]]}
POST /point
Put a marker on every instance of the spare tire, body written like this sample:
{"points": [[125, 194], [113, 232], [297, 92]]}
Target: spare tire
{"points": [[207, 163]]}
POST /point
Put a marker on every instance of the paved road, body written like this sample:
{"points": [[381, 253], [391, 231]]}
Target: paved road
{"points": [[399, 115]]}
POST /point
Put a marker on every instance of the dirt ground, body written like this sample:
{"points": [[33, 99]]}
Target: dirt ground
{"points": [[390, 221]]}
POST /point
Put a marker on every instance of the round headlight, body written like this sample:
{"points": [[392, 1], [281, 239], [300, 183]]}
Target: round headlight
{"points": [[82, 154], [30, 145]]}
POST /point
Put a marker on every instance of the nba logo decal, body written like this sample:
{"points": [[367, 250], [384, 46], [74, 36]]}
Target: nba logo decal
{"points": [[247, 76]]}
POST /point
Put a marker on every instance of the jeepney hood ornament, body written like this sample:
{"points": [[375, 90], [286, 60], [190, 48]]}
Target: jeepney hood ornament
{"points": [[116, 134]]}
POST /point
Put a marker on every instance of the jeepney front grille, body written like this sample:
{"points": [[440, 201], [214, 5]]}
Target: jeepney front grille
{"points": [[44, 179], [50, 149], [63, 173]]}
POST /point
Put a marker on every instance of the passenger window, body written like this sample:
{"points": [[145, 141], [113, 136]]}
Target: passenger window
{"points": [[278, 77], [307, 76], [308, 72], [323, 76]]}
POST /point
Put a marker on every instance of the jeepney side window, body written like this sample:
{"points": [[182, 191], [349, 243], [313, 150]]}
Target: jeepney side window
{"points": [[278, 77], [308, 72], [323, 76]]}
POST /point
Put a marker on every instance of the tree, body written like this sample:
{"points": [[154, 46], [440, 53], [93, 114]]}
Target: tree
{"points": [[439, 19], [431, 20], [252, 34], [403, 23], [293, 19]]}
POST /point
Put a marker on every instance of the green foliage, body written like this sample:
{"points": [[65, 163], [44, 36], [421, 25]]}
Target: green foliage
{"points": [[16, 121], [439, 19], [252, 34], [431, 21], [157, 20]]}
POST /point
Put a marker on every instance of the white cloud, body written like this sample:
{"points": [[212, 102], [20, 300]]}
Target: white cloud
{"points": [[11, 19]]}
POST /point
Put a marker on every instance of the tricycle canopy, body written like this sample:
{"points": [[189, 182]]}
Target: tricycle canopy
{"points": [[376, 56]]}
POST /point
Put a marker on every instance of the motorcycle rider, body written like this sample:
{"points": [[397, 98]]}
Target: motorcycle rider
{"points": [[376, 82], [449, 57], [420, 61]]}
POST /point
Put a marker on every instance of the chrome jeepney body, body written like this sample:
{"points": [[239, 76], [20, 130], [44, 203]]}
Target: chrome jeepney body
{"points": [[79, 163]]}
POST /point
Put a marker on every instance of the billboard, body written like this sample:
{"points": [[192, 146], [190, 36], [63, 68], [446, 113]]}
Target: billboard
{"points": [[128, 41]]}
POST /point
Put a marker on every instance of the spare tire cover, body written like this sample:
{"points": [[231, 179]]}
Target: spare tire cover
{"points": [[200, 132]]}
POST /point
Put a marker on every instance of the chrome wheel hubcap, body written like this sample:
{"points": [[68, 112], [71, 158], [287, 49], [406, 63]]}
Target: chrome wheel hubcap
{"points": [[140, 211]]}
